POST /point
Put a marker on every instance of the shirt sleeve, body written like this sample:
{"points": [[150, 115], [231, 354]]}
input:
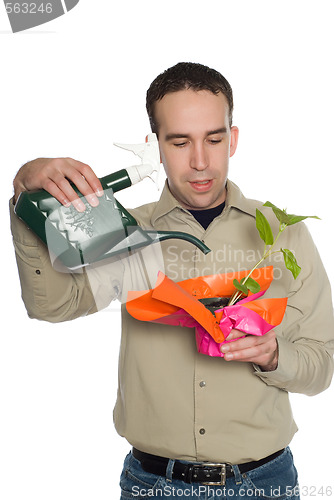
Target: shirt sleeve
{"points": [[51, 295], [306, 337]]}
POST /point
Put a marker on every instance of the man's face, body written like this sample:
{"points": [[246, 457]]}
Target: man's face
{"points": [[196, 143]]}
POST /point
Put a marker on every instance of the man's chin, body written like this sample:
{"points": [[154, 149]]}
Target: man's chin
{"points": [[204, 202], [192, 199], [201, 204]]}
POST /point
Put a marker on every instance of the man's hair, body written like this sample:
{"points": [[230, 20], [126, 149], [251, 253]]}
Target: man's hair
{"points": [[186, 75]]}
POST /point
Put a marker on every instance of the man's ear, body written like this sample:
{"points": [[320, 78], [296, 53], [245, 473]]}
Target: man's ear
{"points": [[234, 140]]}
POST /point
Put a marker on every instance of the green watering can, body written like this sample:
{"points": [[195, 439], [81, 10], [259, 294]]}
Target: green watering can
{"points": [[81, 238]]}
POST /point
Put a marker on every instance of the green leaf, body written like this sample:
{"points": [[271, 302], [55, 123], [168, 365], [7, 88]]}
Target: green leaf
{"points": [[290, 262], [281, 215], [294, 219], [288, 219], [269, 204], [239, 286], [264, 228], [252, 285]]}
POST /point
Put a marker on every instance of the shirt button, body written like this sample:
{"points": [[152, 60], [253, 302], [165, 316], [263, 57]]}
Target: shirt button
{"points": [[202, 431], [38, 271], [202, 383]]}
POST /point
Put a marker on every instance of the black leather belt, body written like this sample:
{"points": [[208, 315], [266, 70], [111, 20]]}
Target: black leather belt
{"points": [[206, 473]]}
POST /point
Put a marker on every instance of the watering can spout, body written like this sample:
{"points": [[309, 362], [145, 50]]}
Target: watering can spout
{"points": [[167, 235]]}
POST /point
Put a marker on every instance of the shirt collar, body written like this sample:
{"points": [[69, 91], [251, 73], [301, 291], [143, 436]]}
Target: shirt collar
{"points": [[236, 199], [167, 202]]}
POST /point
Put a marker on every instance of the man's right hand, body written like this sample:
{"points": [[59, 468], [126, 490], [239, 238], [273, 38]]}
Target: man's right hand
{"points": [[55, 175]]}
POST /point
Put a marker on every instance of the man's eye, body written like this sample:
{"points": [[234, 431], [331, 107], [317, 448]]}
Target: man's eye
{"points": [[180, 144], [215, 141]]}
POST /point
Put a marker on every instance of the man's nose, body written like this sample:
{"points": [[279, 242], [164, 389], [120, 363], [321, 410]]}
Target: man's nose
{"points": [[199, 159]]}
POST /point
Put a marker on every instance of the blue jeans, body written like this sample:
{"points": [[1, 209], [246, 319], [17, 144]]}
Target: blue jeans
{"points": [[274, 480]]}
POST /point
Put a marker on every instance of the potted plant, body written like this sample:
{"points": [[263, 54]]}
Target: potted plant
{"points": [[235, 304]]}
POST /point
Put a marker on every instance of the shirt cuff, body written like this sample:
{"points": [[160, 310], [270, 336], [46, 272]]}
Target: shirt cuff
{"points": [[287, 365]]}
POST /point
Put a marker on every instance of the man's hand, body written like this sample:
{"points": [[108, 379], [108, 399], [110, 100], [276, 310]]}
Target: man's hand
{"points": [[55, 175], [262, 351]]}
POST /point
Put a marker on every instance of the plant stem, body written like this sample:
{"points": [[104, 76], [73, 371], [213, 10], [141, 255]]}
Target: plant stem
{"points": [[237, 294]]}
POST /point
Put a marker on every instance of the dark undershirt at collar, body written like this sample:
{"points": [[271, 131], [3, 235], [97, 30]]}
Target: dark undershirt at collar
{"points": [[205, 217]]}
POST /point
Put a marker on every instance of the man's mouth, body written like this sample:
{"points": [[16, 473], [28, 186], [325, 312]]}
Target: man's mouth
{"points": [[201, 185]]}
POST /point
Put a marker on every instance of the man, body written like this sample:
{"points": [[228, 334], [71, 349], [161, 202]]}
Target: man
{"points": [[199, 425]]}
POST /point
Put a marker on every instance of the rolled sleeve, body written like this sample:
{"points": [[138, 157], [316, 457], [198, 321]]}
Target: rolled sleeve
{"points": [[306, 338], [47, 294]]}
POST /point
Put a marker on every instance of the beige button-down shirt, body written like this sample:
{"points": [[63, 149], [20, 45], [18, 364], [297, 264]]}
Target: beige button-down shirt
{"points": [[173, 401]]}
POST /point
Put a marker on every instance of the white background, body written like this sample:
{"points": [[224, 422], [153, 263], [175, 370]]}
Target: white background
{"points": [[71, 88]]}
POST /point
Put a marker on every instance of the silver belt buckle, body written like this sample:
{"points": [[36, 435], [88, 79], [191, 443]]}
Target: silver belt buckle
{"points": [[222, 474]]}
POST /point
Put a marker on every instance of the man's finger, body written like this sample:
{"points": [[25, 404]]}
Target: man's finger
{"points": [[72, 173], [91, 182], [241, 343], [56, 192], [235, 334]]}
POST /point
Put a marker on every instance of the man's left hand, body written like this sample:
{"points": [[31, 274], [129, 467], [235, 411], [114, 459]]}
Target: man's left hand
{"points": [[262, 351]]}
